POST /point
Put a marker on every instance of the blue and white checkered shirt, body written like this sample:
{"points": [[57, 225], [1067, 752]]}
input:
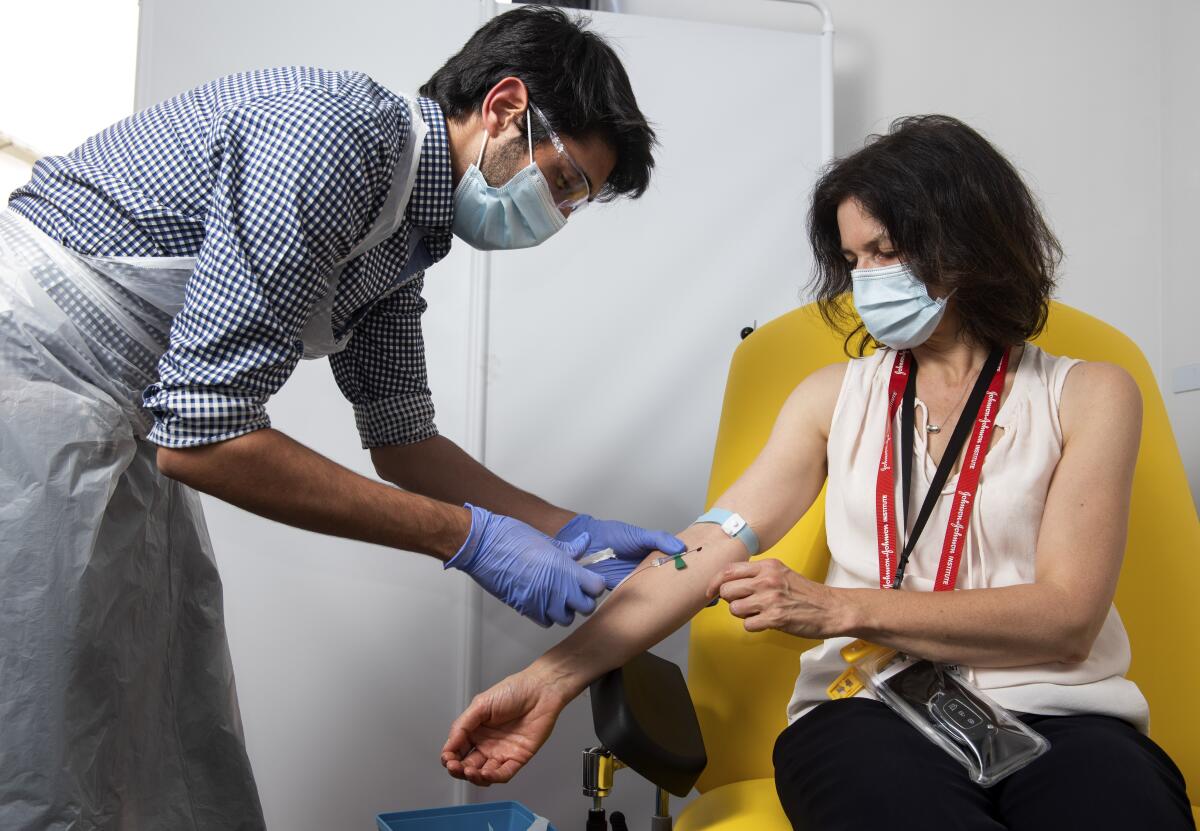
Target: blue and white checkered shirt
{"points": [[268, 179]]}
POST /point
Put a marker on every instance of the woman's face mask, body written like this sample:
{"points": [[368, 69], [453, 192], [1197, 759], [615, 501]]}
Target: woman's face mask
{"points": [[521, 213], [895, 306]]}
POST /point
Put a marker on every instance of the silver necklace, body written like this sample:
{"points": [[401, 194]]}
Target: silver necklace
{"points": [[937, 428]]}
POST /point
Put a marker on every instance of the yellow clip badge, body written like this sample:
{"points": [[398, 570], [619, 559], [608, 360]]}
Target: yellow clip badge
{"points": [[849, 682], [847, 685], [854, 652]]}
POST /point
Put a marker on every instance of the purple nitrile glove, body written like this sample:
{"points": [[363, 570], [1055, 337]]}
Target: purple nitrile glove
{"points": [[525, 569], [613, 570], [630, 543]]}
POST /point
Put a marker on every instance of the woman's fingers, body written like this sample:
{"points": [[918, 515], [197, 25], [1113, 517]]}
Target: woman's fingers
{"points": [[491, 771], [461, 756], [746, 607], [466, 764], [457, 745], [476, 778], [475, 759], [757, 623], [470, 773], [476, 714], [473, 773], [507, 770], [755, 592], [769, 595], [733, 571], [495, 772], [500, 730], [737, 589]]}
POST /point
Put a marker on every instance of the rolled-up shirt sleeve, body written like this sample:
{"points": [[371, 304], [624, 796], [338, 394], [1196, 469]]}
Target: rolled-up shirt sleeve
{"points": [[297, 180], [382, 371]]}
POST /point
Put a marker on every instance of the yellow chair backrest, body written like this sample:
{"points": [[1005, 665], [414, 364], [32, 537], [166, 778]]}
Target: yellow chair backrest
{"points": [[741, 683]]}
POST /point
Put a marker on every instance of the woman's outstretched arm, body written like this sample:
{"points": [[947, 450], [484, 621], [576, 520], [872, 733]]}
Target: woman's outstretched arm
{"points": [[504, 726]]}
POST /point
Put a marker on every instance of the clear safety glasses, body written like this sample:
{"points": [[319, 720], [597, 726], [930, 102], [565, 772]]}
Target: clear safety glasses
{"points": [[568, 183]]}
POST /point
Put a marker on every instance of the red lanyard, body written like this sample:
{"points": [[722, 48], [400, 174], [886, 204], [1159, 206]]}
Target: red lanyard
{"points": [[968, 480]]}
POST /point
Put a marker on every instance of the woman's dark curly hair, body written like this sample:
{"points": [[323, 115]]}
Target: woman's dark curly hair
{"points": [[957, 213]]}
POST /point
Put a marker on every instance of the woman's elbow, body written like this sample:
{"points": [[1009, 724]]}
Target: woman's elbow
{"points": [[1074, 645], [1075, 653]]}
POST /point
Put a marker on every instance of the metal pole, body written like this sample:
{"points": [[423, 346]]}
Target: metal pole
{"points": [[827, 150], [661, 821], [662, 802]]}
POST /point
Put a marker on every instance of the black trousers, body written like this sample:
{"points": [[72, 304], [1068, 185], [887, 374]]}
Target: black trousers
{"points": [[854, 764]]}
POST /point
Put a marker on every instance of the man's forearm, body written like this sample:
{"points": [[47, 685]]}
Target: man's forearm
{"points": [[440, 469], [270, 474]]}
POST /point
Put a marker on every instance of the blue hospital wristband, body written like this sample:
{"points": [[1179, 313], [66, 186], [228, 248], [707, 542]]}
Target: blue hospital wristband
{"points": [[734, 525]]}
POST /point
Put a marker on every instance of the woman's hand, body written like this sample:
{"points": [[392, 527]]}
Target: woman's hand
{"points": [[503, 728], [769, 595]]}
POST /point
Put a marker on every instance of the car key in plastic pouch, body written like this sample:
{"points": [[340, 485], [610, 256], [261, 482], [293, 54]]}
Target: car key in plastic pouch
{"points": [[989, 741]]}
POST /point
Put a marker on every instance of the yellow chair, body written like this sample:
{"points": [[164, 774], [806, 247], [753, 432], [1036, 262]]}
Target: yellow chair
{"points": [[741, 683]]}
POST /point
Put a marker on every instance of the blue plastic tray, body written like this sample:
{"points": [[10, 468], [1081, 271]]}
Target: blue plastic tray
{"points": [[496, 816]]}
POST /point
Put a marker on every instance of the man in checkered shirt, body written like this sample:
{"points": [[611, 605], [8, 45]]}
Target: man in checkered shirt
{"points": [[297, 209]]}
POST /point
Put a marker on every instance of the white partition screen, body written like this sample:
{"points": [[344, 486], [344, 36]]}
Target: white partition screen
{"points": [[609, 345]]}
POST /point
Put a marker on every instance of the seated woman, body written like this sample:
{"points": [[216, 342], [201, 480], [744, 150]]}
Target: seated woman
{"points": [[951, 266]]}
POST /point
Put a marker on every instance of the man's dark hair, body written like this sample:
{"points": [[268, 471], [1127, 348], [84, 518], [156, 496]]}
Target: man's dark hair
{"points": [[957, 213], [573, 76]]}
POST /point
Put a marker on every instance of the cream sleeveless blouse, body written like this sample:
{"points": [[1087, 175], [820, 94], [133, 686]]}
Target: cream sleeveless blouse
{"points": [[1002, 536]]}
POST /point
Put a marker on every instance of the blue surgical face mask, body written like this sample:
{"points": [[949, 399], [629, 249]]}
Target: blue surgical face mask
{"points": [[895, 306], [521, 213]]}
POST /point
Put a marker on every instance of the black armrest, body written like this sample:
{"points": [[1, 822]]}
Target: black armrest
{"points": [[643, 713]]}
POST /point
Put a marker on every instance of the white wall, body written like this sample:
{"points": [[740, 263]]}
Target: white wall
{"points": [[1093, 100], [1096, 103]]}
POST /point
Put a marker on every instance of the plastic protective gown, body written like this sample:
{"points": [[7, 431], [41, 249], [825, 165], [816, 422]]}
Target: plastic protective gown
{"points": [[117, 699]]}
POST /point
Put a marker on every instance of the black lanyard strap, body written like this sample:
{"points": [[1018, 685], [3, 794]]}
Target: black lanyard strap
{"points": [[957, 439]]}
